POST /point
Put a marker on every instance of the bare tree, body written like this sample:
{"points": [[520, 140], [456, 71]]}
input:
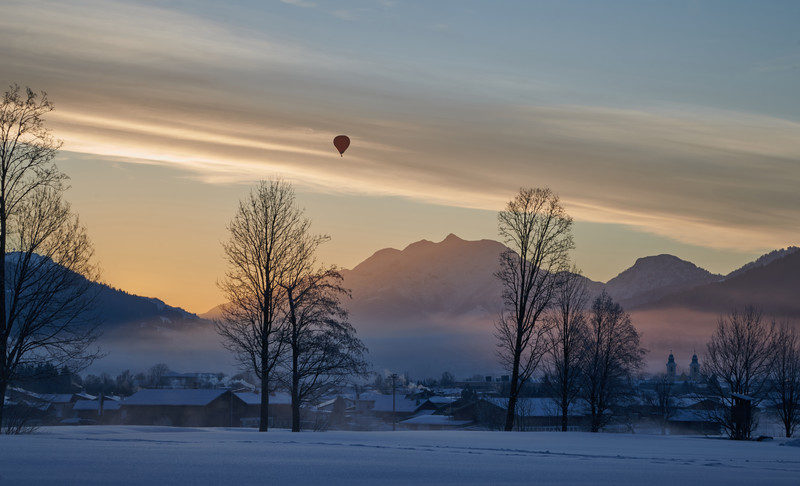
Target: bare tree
{"points": [[260, 252], [738, 363], [566, 336], [323, 349], [537, 231], [46, 270], [786, 377], [156, 373], [612, 357]]}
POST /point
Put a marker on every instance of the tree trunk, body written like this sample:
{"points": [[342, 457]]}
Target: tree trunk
{"points": [[295, 394], [512, 397], [564, 414], [3, 388], [295, 413], [263, 425], [595, 418], [4, 332]]}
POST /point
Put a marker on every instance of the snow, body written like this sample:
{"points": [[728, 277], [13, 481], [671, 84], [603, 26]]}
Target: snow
{"points": [[129, 455], [250, 398]]}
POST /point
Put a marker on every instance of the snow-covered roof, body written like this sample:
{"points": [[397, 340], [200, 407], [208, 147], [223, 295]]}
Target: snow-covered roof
{"points": [[383, 403], [173, 397], [331, 401], [440, 400], [539, 406], [251, 398], [57, 397]]}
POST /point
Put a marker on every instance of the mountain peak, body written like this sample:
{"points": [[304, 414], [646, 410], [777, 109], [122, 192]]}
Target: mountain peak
{"points": [[451, 238], [655, 259], [653, 276]]}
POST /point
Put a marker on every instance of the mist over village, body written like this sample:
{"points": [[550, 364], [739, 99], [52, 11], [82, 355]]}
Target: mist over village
{"points": [[391, 242]]}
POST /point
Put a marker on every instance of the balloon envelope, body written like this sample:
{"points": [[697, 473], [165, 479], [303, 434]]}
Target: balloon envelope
{"points": [[341, 142]]}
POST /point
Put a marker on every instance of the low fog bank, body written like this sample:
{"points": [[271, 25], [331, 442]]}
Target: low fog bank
{"points": [[196, 348]]}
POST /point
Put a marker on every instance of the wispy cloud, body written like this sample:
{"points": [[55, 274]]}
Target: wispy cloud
{"points": [[227, 104]]}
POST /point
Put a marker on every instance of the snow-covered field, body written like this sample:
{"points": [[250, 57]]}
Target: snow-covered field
{"points": [[97, 455]]}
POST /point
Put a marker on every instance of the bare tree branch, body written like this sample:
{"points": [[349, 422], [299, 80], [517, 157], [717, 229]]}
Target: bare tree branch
{"points": [[567, 334], [612, 356], [538, 232], [738, 361], [46, 296]]}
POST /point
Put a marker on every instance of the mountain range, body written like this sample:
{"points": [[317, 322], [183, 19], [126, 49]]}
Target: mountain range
{"points": [[431, 307]]}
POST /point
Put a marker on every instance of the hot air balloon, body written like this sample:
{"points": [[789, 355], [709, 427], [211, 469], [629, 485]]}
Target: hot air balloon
{"points": [[341, 142]]}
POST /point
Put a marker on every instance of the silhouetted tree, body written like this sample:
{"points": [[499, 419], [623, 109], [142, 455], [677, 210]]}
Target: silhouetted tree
{"points": [[156, 373], [43, 378], [323, 351], [263, 237], [46, 267], [566, 340], [125, 384], [537, 231], [786, 377], [612, 357], [447, 379], [740, 356], [97, 385]]}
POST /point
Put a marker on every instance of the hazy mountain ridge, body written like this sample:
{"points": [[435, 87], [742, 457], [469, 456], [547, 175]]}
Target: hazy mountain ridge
{"points": [[439, 301], [432, 306], [425, 278], [772, 287], [763, 260], [117, 307], [137, 332]]}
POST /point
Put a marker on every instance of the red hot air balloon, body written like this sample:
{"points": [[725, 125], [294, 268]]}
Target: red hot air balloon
{"points": [[341, 142]]}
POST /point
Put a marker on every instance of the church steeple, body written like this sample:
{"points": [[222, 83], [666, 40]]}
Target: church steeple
{"points": [[671, 367], [694, 369]]}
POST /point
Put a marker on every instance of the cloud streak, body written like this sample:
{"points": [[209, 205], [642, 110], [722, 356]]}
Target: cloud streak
{"points": [[151, 85]]}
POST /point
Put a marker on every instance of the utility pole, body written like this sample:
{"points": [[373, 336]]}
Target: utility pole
{"points": [[394, 377]]}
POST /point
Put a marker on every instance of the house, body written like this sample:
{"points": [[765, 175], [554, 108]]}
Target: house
{"points": [[105, 412], [479, 411], [532, 413], [41, 409], [386, 407], [338, 413], [181, 407]]}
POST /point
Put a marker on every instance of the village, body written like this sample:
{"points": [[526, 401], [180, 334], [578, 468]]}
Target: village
{"points": [[478, 403]]}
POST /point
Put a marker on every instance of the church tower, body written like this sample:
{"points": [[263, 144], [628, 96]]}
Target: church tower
{"points": [[671, 367], [694, 369]]}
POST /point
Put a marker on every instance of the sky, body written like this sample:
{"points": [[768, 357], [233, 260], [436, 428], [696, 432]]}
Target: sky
{"points": [[664, 127]]}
